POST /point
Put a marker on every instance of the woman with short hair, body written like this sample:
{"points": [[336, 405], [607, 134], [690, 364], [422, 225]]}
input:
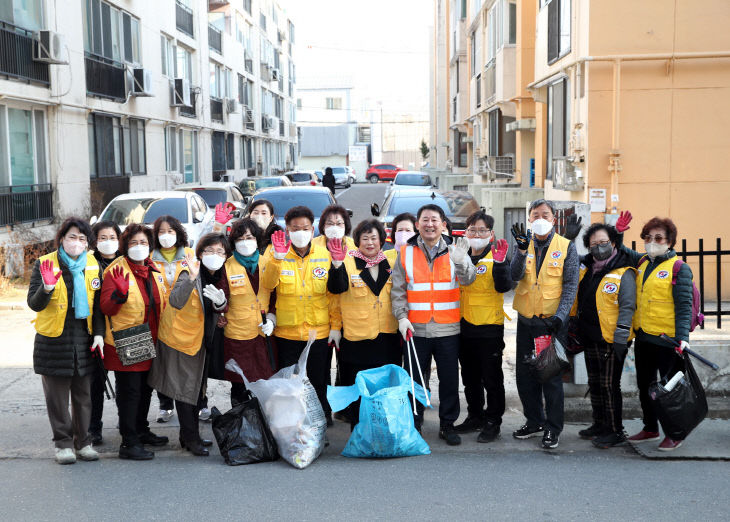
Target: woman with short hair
{"points": [[334, 223], [402, 229]]}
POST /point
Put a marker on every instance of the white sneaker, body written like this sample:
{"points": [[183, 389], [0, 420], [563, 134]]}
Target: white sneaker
{"points": [[165, 415], [87, 453], [204, 414], [65, 456]]}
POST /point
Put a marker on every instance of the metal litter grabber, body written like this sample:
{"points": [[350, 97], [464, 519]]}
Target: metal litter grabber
{"points": [[412, 346], [691, 352]]}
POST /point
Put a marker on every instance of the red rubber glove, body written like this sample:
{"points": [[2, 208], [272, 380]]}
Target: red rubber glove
{"points": [[280, 244], [337, 249], [49, 278], [120, 280], [499, 252], [622, 223], [222, 214]]}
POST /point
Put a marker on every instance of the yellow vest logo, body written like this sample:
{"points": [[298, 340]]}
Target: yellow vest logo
{"points": [[481, 269], [319, 272], [662, 274], [610, 288], [95, 283]]}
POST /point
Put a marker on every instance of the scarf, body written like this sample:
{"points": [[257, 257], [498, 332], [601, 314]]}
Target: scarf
{"points": [[248, 262], [599, 265], [169, 253], [141, 271], [369, 263], [77, 267]]}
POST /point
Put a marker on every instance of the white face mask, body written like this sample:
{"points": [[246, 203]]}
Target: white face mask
{"points": [[655, 249], [541, 227], [167, 240], [261, 221], [138, 252], [213, 261], [108, 247], [478, 244], [73, 248], [300, 238], [334, 232], [402, 237], [246, 247]]}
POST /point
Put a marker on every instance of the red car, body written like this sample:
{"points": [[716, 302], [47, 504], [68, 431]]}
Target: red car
{"points": [[382, 172]]}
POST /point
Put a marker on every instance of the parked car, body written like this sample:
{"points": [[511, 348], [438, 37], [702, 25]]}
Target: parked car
{"points": [[319, 174], [382, 172], [271, 181], [247, 187], [409, 179], [145, 207], [218, 192], [284, 198], [303, 177], [344, 176], [457, 205]]}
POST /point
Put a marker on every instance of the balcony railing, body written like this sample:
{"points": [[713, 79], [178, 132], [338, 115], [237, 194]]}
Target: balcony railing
{"points": [[105, 78], [184, 19], [103, 190], [248, 121], [189, 110], [25, 203], [281, 128], [16, 55], [215, 39], [490, 83], [216, 109]]}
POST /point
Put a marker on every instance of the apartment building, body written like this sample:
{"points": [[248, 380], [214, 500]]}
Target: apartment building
{"points": [[103, 97]]}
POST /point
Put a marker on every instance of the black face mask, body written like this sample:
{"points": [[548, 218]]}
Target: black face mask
{"points": [[601, 252]]}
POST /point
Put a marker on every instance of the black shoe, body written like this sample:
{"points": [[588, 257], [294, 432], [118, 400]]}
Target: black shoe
{"points": [[96, 438], [550, 439], [489, 433], [326, 441], [470, 424], [449, 435], [136, 452], [330, 422], [151, 439], [590, 433], [196, 448], [525, 432], [418, 428], [206, 442], [609, 440]]}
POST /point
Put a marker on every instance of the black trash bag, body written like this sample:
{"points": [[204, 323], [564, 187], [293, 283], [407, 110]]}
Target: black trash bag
{"points": [[549, 362], [242, 434], [681, 409]]}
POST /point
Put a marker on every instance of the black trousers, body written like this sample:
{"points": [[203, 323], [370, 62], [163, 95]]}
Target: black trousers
{"points": [[133, 402], [445, 351], [97, 400], [604, 369], [187, 414], [166, 403], [318, 363], [652, 362], [531, 391], [238, 391], [481, 371]]}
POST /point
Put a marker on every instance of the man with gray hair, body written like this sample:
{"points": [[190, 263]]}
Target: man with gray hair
{"points": [[545, 265]]}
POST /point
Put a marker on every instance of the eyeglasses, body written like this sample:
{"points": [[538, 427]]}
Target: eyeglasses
{"points": [[600, 243], [481, 232], [657, 239], [72, 237], [334, 223], [217, 251]]}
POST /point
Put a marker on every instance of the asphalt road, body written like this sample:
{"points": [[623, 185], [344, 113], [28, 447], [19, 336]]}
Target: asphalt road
{"points": [[359, 197]]}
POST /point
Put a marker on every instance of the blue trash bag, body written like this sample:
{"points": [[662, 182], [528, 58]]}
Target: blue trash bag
{"points": [[386, 426]]}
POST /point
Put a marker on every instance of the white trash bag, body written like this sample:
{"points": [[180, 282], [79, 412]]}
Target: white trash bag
{"points": [[293, 411]]}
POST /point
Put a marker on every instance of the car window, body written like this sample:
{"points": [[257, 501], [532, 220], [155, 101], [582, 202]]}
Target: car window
{"points": [[300, 176], [211, 196], [286, 199], [267, 182], [236, 195], [339, 170], [387, 167], [128, 211], [418, 180], [454, 204]]}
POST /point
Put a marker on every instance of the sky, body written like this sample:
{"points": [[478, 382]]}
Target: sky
{"points": [[380, 46]]}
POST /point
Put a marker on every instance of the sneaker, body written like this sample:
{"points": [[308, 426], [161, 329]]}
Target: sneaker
{"points": [[87, 453], [204, 414], [165, 415], [644, 436], [448, 434], [151, 439], [609, 440], [489, 433], [669, 444], [470, 424], [595, 430], [525, 432], [550, 439], [65, 456]]}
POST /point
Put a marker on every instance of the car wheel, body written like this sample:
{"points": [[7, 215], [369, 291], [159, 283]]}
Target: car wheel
{"points": [[373, 178]]}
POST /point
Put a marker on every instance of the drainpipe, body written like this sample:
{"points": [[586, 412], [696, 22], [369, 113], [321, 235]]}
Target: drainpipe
{"points": [[614, 157]]}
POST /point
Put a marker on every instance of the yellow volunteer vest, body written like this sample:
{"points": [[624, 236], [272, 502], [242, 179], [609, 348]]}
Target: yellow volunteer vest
{"points": [[654, 299], [132, 312], [180, 265], [183, 329], [574, 308], [50, 320], [540, 294], [321, 241], [244, 308], [480, 302], [365, 315], [607, 302]]}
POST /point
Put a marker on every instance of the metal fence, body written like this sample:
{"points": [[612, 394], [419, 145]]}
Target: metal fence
{"points": [[105, 78], [215, 39], [25, 203], [16, 55], [216, 109], [700, 255], [184, 19], [189, 110]]}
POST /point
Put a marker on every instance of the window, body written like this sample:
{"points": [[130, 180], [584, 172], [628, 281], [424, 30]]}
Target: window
{"points": [[479, 90], [512, 24], [457, 76], [460, 149], [230, 152], [22, 147], [105, 151], [262, 20], [363, 134], [334, 103], [462, 9], [217, 81], [111, 32], [134, 147], [277, 107], [558, 122], [473, 53], [167, 53], [184, 64], [244, 91], [246, 153], [219, 151], [243, 31], [181, 147], [247, 6], [299, 103], [558, 33], [494, 125], [27, 14], [291, 32]]}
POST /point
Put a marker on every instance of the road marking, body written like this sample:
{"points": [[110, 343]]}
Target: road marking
{"points": [[343, 191]]}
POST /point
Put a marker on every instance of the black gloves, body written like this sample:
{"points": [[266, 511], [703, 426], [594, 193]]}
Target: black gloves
{"points": [[620, 349], [522, 238], [554, 324], [572, 227]]}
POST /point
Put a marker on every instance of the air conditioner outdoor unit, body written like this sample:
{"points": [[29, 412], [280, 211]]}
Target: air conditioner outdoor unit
{"points": [[180, 93], [141, 80], [267, 123], [49, 47], [566, 176], [232, 106], [274, 74], [248, 64]]}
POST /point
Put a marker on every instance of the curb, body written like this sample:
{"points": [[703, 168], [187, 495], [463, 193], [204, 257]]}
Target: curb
{"points": [[13, 306]]}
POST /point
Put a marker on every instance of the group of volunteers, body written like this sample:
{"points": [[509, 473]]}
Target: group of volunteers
{"points": [[165, 317]]}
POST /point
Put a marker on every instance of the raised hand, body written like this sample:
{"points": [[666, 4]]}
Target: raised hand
{"points": [[338, 250], [572, 227], [622, 223], [522, 238], [216, 295], [120, 280], [193, 265], [280, 244], [499, 252], [222, 214], [49, 278], [458, 250]]}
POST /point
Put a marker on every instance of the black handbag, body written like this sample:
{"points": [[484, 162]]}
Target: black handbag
{"points": [[135, 344]]}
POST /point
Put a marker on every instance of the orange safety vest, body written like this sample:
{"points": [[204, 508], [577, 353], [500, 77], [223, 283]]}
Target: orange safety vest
{"points": [[431, 293]]}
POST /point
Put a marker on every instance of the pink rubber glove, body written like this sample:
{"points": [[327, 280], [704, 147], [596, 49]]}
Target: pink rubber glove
{"points": [[280, 244], [222, 214], [499, 252], [338, 251], [49, 278], [622, 223], [120, 280]]}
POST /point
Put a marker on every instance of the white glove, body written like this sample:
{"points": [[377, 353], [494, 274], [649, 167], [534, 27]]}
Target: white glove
{"points": [[682, 345], [458, 250], [335, 337], [336, 264], [216, 295], [98, 343], [48, 288], [279, 255], [403, 326], [267, 328]]}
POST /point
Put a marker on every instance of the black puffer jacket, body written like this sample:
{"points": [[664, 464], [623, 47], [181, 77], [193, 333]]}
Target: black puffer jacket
{"points": [[69, 353]]}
